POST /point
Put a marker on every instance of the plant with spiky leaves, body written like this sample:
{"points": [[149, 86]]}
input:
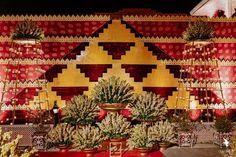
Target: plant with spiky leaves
{"points": [[200, 30], [115, 126], [148, 107], [62, 134], [88, 137], [8, 146], [223, 125], [141, 136], [185, 125], [165, 132], [80, 110], [112, 90], [27, 29]]}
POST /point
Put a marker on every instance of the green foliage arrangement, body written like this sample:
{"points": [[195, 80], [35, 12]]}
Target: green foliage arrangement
{"points": [[27, 30], [80, 110], [112, 90], [9, 146], [148, 107], [185, 125], [199, 30], [141, 137], [88, 137], [115, 126], [223, 125], [165, 132], [62, 134]]}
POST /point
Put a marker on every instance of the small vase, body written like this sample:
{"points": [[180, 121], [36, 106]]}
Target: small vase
{"points": [[143, 151], [90, 151], [163, 146], [63, 148]]}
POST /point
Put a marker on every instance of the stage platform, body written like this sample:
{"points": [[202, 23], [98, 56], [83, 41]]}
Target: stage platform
{"points": [[198, 150]]}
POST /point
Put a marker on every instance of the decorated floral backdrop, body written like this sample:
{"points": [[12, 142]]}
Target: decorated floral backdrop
{"points": [[79, 50]]}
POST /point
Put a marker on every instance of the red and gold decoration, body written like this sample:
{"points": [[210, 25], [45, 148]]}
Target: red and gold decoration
{"points": [[81, 50]]}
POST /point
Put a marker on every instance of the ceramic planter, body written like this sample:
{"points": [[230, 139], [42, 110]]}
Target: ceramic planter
{"points": [[186, 139], [112, 107], [218, 138], [63, 148], [163, 146], [90, 151], [143, 151]]}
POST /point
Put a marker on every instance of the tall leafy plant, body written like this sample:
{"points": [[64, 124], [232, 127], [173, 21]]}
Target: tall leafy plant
{"points": [[80, 110], [27, 29], [112, 90], [199, 30], [148, 106]]}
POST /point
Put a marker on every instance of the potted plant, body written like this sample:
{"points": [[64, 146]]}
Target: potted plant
{"points": [[186, 136], [148, 107], [9, 146], [165, 134], [115, 127], [142, 139], [198, 31], [27, 32], [112, 94], [81, 110], [88, 139], [61, 136], [223, 127]]}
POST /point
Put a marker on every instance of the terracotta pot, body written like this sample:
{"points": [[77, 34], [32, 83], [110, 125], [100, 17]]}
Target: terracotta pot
{"points": [[163, 146], [63, 148], [144, 151], [117, 139], [90, 151], [112, 107]]}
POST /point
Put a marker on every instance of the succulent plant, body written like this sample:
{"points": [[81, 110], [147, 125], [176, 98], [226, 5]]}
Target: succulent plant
{"points": [[165, 132], [80, 110], [27, 30], [115, 126], [141, 136], [148, 107], [88, 137], [199, 30], [61, 135], [112, 90]]}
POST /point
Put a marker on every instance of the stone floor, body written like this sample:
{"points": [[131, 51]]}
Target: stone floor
{"points": [[199, 150]]}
